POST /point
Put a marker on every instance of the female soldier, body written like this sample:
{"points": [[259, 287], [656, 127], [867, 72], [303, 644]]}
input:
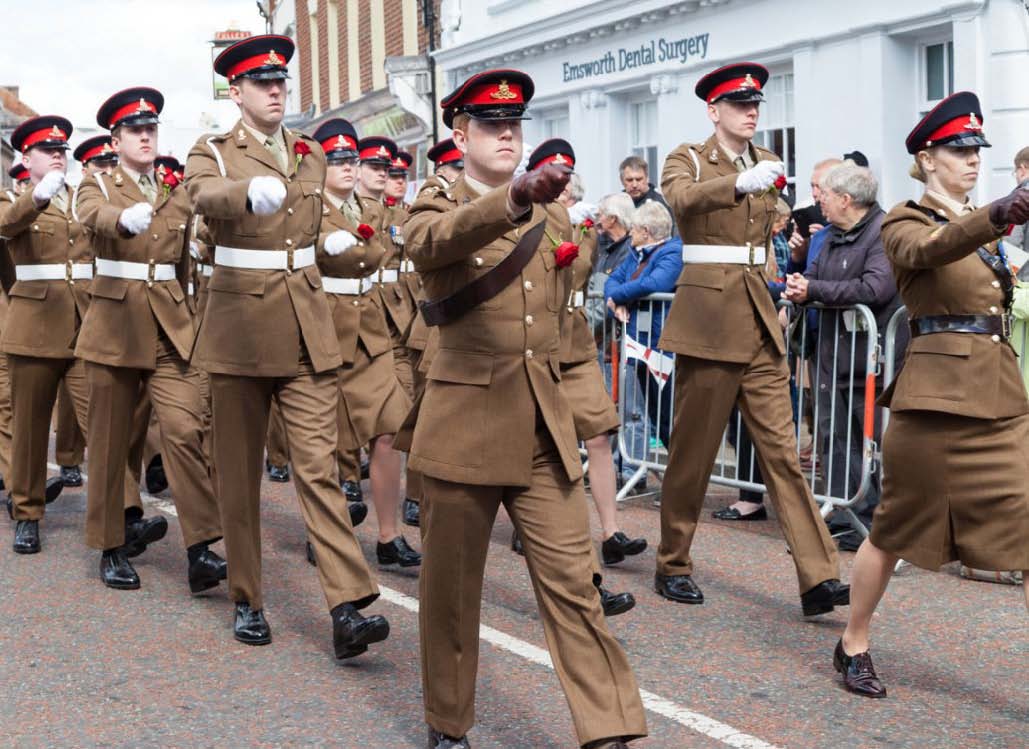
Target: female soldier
{"points": [[954, 486]]}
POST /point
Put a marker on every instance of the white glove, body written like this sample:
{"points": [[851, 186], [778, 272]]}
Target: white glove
{"points": [[136, 218], [194, 250], [760, 177], [49, 186], [582, 211], [266, 195], [339, 242]]}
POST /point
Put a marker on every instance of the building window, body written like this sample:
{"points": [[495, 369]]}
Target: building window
{"points": [[643, 133], [777, 132], [554, 125], [936, 63]]}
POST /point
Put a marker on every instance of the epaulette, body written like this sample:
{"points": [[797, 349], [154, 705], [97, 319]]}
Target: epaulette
{"points": [[766, 152]]}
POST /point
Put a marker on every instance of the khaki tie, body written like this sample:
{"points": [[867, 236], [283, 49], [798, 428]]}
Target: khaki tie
{"points": [[350, 212], [741, 165], [146, 185], [278, 151]]}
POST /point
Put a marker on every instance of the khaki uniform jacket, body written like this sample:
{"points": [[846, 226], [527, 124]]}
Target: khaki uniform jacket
{"points": [[356, 318], [939, 273], [419, 335], [121, 327], [713, 315], [497, 370], [256, 320], [44, 316], [396, 301], [577, 342]]}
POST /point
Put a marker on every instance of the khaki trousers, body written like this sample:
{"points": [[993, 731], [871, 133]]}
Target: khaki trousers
{"points": [[70, 444], [278, 447], [34, 385], [307, 403], [705, 392], [174, 391], [5, 419], [553, 523]]}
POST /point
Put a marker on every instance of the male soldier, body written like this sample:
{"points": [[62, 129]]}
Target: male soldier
{"points": [[137, 336], [94, 154], [19, 174], [396, 181], [729, 346], [47, 253], [448, 160], [493, 428], [267, 333]]}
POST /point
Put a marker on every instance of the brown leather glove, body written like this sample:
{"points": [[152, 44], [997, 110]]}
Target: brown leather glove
{"points": [[540, 186], [1013, 208]]}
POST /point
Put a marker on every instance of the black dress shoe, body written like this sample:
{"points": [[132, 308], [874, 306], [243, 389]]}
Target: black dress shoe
{"points": [[141, 532], [155, 479], [397, 551], [607, 744], [516, 544], [679, 588], [366, 468], [310, 555], [439, 740], [358, 512], [411, 512], [71, 475], [116, 570], [54, 485], [620, 546], [615, 603], [26, 537], [858, 672], [250, 627], [731, 513], [353, 633], [206, 571], [2, 484], [353, 491], [279, 474], [822, 598]]}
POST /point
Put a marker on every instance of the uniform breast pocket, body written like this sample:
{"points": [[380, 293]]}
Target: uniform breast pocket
{"points": [[939, 366], [309, 212], [457, 399], [702, 277], [484, 261], [42, 239]]}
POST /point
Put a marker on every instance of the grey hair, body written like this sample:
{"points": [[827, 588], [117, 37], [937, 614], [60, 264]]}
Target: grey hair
{"points": [[856, 181], [655, 218], [576, 189], [618, 206]]}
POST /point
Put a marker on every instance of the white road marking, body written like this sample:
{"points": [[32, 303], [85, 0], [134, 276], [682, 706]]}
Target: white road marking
{"points": [[654, 703]]}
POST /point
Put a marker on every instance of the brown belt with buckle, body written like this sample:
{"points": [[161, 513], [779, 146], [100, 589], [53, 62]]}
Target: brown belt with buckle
{"points": [[999, 325]]}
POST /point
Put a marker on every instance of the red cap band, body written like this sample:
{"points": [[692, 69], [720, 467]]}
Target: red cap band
{"points": [[50, 133], [966, 123], [271, 57], [102, 149], [735, 84], [375, 152], [339, 142], [447, 156], [492, 93], [557, 158], [136, 107]]}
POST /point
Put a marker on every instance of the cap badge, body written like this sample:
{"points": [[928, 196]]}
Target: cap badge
{"points": [[107, 148], [748, 82], [503, 92], [56, 132], [973, 122], [161, 170], [273, 59], [143, 107], [341, 142], [383, 151], [559, 159]]}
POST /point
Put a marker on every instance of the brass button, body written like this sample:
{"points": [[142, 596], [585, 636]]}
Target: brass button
{"points": [[71, 241], [150, 284], [528, 353], [993, 310], [289, 242], [752, 221], [289, 211], [289, 272], [995, 338], [317, 191], [995, 284], [357, 303], [529, 320], [478, 262], [155, 236], [182, 226], [35, 227], [360, 265], [71, 282], [528, 285]]}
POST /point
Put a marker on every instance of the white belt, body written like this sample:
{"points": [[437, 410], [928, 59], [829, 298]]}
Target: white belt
{"points": [[191, 290], [388, 276], [352, 286], [54, 272], [205, 270], [577, 299], [135, 271], [406, 266], [716, 253], [264, 259]]}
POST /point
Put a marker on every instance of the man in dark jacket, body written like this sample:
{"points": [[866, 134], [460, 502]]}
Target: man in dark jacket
{"points": [[634, 175], [851, 269]]}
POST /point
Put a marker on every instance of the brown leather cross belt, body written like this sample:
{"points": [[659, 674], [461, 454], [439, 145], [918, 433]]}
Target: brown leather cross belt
{"points": [[999, 325], [488, 285]]}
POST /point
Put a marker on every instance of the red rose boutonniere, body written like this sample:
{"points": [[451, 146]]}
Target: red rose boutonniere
{"points": [[564, 252], [300, 149], [778, 186], [365, 231], [391, 201], [584, 227], [169, 182]]}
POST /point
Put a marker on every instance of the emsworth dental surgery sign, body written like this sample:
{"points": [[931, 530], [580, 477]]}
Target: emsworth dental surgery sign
{"points": [[655, 51]]}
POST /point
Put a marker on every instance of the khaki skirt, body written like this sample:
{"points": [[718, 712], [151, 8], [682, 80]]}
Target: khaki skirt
{"points": [[954, 488], [371, 399], [593, 411]]}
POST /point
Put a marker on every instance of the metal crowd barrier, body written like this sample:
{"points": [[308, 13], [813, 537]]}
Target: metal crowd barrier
{"points": [[842, 432]]}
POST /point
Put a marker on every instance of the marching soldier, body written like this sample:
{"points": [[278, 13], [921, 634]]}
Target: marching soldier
{"points": [[728, 344], [447, 160], [954, 474], [20, 174], [372, 403], [137, 337], [493, 426], [21, 178], [267, 334], [51, 261], [396, 181]]}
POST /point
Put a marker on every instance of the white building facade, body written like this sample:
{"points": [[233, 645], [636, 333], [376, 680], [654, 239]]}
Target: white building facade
{"points": [[616, 77]]}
